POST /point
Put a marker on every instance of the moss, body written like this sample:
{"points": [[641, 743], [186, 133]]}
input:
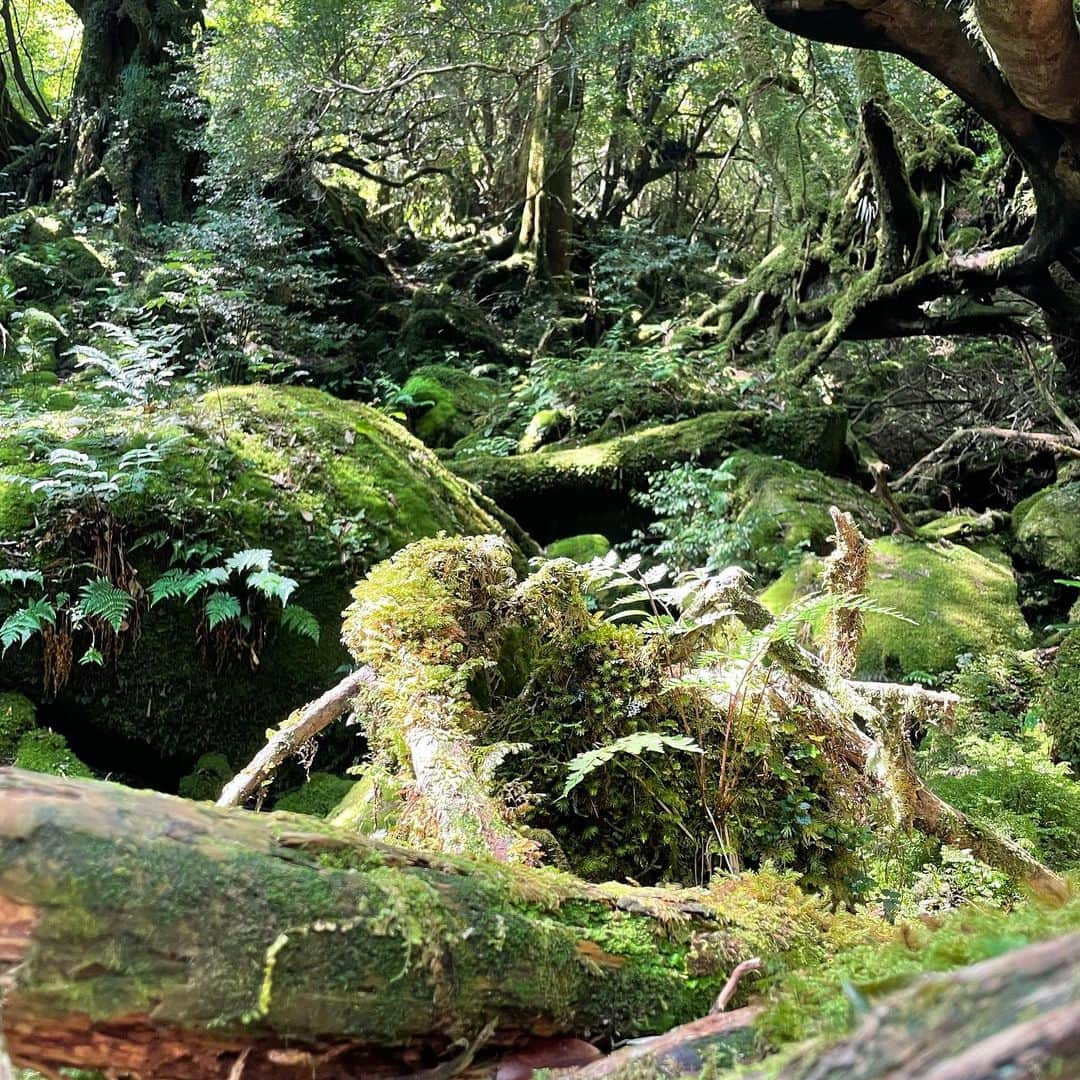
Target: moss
{"points": [[204, 783], [1060, 702], [444, 403], [819, 999], [321, 794], [329, 486], [1047, 529], [582, 549], [780, 508], [960, 601], [560, 492], [17, 717], [47, 751], [544, 427]]}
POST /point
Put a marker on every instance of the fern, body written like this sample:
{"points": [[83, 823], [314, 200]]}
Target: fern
{"points": [[249, 559], [172, 584], [22, 625], [638, 743], [221, 608], [102, 599], [301, 622], [92, 656], [271, 585], [22, 577]]}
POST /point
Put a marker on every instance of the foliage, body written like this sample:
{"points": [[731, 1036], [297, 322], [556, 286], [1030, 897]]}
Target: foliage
{"points": [[45, 751], [827, 999], [1058, 702], [1011, 785], [636, 745]]}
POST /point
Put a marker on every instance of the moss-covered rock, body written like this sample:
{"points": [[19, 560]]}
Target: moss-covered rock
{"points": [[556, 493], [1047, 529], [1060, 702], [329, 486], [47, 751], [321, 794], [544, 426], [204, 783], [960, 601], [780, 507], [17, 717], [582, 549], [444, 403]]}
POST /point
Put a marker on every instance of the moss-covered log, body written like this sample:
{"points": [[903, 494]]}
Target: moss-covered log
{"points": [[561, 492], [1017, 1015], [159, 937]]}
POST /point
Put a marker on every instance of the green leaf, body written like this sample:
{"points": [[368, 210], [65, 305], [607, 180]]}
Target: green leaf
{"points": [[20, 626], [637, 744], [104, 600], [300, 621], [21, 577], [271, 585], [171, 584], [92, 656], [249, 559], [220, 608]]}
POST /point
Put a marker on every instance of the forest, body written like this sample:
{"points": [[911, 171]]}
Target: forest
{"points": [[539, 538]]}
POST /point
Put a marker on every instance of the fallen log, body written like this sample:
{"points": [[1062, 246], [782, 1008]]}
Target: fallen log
{"points": [[153, 936], [1017, 1015]]}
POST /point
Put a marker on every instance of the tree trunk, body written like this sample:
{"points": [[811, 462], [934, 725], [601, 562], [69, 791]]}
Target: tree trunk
{"points": [[125, 135], [149, 935], [547, 221]]}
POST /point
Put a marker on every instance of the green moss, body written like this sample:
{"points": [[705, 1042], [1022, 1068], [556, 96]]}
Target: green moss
{"points": [[582, 549], [1047, 529], [321, 794], [205, 781], [818, 1000], [1060, 702], [543, 427], [329, 486], [444, 403], [960, 600], [17, 717], [780, 507], [47, 751], [586, 487]]}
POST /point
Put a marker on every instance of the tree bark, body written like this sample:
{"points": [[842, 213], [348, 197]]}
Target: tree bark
{"points": [[1017, 1015], [123, 134], [153, 936]]}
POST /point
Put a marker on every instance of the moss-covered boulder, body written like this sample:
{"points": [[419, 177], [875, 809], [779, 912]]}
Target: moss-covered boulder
{"points": [[318, 796], [960, 600], [1060, 702], [17, 718], [42, 256], [45, 751], [582, 549], [1047, 529], [780, 508], [444, 403], [329, 487], [555, 493], [204, 783]]}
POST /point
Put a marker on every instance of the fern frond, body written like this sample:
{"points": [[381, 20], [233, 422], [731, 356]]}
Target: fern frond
{"points": [[102, 599], [301, 622], [22, 577], [249, 559], [221, 608], [271, 585], [20, 626], [636, 744]]}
